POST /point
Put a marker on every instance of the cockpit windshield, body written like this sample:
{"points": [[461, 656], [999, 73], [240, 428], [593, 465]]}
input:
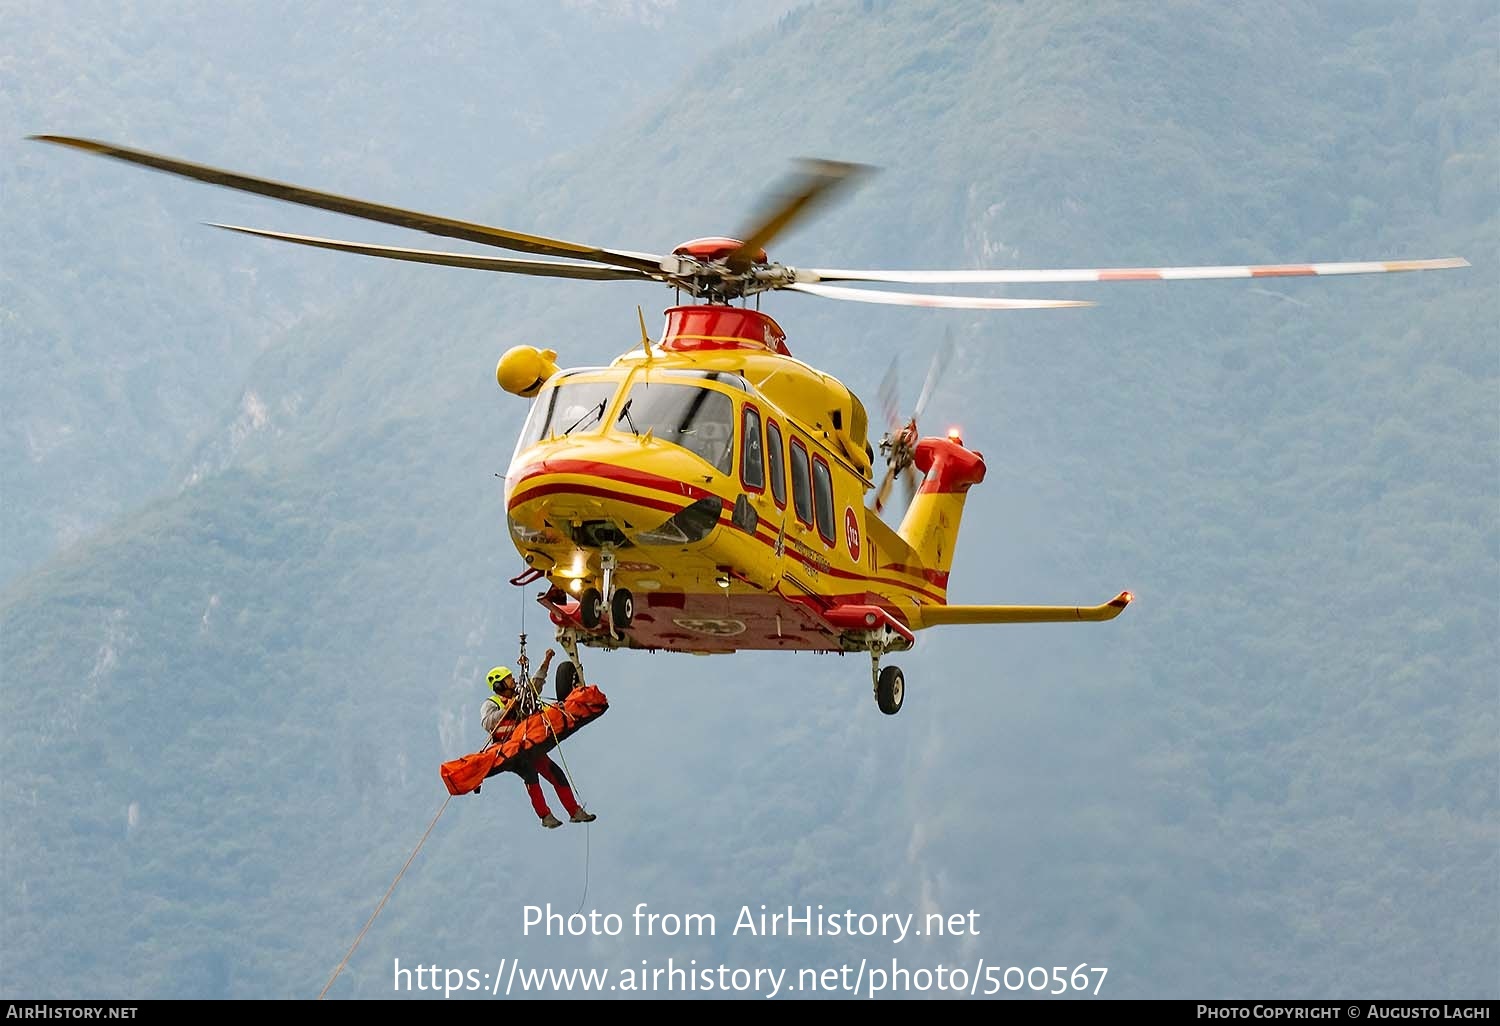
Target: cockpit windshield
{"points": [[696, 418], [569, 408]]}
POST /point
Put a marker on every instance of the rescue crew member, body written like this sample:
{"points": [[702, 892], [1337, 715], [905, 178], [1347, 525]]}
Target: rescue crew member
{"points": [[500, 716]]}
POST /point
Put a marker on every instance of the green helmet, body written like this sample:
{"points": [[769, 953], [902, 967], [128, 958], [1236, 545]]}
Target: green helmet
{"points": [[498, 676]]}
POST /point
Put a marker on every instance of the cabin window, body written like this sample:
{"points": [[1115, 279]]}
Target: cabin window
{"points": [[773, 462], [823, 493], [753, 458], [699, 420], [571, 408], [801, 485]]}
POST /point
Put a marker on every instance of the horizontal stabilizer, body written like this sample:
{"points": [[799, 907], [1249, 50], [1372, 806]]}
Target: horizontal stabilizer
{"points": [[934, 616]]}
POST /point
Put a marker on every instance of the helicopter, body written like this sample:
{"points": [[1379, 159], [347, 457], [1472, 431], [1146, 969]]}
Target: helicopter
{"points": [[705, 492]]}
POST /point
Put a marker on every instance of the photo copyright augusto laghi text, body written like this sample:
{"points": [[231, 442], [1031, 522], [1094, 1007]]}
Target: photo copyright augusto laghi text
{"points": [[869, 977]]}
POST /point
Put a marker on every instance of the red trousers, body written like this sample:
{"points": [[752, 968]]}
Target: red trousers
{"points": [[528, 769]]}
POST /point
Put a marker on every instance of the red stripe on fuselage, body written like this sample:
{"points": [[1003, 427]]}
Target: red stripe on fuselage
{"points": [[611, 472], [692, 493], [937, 577], [574, 488]]}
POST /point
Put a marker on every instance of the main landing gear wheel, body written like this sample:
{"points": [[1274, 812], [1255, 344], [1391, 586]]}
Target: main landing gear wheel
{"points": [[591, 608], [566, 680], [621, 609], [890, 690]]}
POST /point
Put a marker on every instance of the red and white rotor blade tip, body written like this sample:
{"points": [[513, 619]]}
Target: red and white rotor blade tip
{"points": [[1059, 276]]}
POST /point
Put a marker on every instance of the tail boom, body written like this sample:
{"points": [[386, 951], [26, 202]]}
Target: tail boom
{"points": [[930, 527]]}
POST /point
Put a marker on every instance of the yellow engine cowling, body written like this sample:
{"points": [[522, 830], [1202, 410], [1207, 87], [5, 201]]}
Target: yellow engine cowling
{"points": [[523, 369]]}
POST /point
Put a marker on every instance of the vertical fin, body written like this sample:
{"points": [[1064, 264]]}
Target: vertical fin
{"points": [[931, 523]]}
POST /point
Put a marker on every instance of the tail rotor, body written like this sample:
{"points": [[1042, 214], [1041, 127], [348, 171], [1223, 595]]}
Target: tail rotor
{"points": [[900, 441]]}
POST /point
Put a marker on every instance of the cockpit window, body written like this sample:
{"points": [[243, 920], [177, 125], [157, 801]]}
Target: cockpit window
{"points": [[720, 377], [698, 419], [570, 408]]}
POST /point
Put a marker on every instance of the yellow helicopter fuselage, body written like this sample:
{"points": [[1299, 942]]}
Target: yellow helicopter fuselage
{"points": [[719, 483]]}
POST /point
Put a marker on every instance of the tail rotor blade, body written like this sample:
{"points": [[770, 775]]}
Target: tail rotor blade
{"points": [[889, 403], [883, 492], [939, 363]]}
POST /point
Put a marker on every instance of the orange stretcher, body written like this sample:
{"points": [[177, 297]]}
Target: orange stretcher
{"points": [[539, 732]]}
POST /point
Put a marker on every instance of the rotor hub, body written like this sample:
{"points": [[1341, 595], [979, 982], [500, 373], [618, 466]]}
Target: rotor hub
{"points": [[718, 269]]}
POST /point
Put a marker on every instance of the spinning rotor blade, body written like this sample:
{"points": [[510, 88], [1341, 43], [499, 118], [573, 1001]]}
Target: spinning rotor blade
{"points": [[939, 361], [884, 491], [544, 268], [815, 185], [909, 483], [1056, 277], [942, 302], [889, 403], [485, 235]]}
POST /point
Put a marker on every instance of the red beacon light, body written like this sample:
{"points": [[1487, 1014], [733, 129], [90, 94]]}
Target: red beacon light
{"points": [[955, 436]]}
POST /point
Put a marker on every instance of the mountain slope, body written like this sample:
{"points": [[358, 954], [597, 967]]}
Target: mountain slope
{"points": [[117, 362], [1275, 774]]}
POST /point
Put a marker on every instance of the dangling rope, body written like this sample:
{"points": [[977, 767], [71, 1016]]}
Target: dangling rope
{"points": [[587, 846], [523, 666], [383, 900], [586, 853], [557, 744]]}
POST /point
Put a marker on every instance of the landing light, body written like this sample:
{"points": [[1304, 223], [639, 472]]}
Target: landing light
{"points": [[576, 586], [722, 580]]}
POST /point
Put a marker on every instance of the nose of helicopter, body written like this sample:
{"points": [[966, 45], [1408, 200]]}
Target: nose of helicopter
{"points": [[609, 492]]}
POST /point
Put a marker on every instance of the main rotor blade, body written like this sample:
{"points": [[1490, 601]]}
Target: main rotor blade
{"points": [[433, 224], [1063, 276], [814, 186], [544, 268], [941, 302]]}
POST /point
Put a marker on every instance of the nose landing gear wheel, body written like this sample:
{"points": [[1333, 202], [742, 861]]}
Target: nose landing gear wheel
{"points": [[591, 608], [621, 609], [565, 680], [890, 690]]}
